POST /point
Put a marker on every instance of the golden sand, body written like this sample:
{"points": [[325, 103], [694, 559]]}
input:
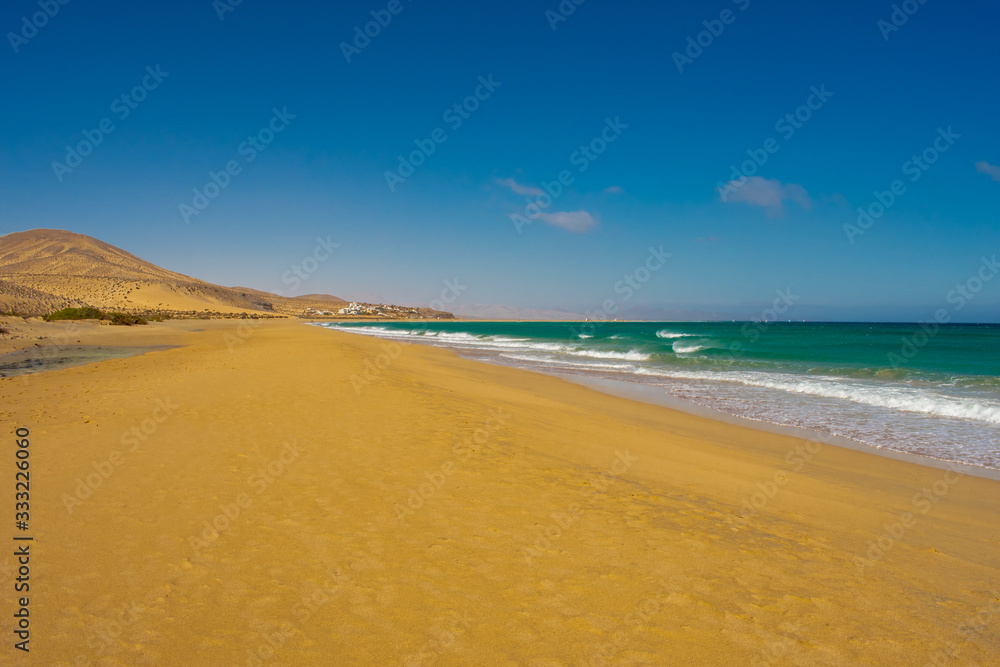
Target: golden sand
{"points": [[258, 500]]}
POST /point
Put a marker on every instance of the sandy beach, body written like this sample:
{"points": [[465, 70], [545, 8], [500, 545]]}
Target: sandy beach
{"points": [[271, 493]]}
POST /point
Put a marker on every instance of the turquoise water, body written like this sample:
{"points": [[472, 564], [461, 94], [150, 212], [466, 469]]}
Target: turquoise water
{"points": [[932, 390]]}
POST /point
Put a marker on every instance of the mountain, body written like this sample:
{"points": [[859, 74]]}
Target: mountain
{"points": [[42, 270], [53, 252]]}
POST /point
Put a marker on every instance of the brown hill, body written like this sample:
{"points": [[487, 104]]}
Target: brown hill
{"points": [[46, 269], [53, 252]]}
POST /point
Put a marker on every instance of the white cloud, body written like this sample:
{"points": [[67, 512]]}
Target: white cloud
{"points": [[577, 222], [614, 190], [520, 189], [769, 194], [989, 170]]}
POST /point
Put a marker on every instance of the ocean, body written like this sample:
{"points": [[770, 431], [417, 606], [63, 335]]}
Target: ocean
{"points": [[924, 389]]}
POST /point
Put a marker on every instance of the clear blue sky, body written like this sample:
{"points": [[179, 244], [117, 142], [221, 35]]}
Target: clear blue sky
{"points": [[324, 173]]}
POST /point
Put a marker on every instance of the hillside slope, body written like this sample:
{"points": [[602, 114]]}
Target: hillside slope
{"points": [[46, 269]]}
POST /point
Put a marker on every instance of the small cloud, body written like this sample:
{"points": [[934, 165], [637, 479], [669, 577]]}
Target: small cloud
{"points": [[988, 169], [614, 190], [769, 194], [520, 189], [577, 222]]}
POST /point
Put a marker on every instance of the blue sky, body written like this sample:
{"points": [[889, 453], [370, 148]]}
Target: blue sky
{"points": [[552, 87]]}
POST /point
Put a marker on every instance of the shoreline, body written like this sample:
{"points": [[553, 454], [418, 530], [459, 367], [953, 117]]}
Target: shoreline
{"points": [[645, 393], [651, 394], [268, 493], [654, 395]]}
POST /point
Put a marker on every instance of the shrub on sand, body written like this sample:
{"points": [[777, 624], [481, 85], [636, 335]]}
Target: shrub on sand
{"points": [[121, 319], [88, 313], [85, 313]]}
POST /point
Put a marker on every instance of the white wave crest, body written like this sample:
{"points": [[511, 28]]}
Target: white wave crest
{"points": [[631, 355], [667, 333], [903, 399]]}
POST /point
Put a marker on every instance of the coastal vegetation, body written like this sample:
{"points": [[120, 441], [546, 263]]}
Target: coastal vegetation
{"points": [[88, 313]]}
